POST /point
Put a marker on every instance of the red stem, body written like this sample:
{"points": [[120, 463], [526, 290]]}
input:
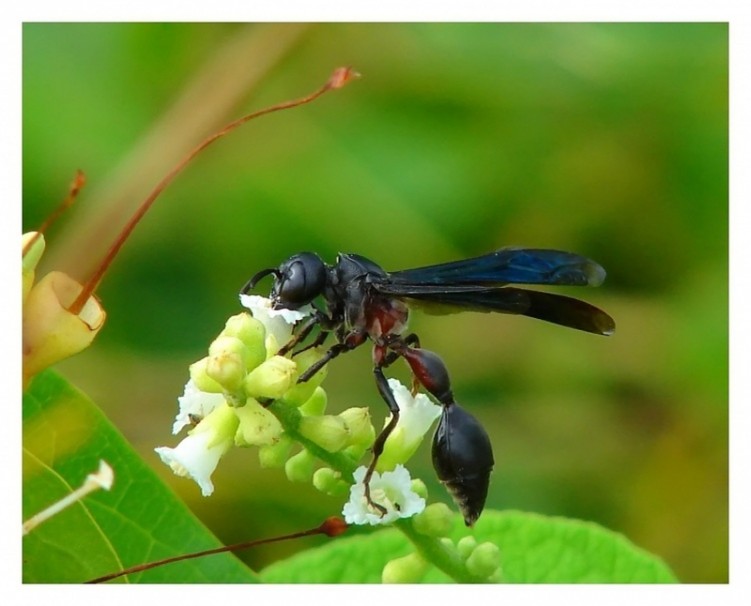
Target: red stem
{"points": [[338, 79], [78, 182], [331, 527]]}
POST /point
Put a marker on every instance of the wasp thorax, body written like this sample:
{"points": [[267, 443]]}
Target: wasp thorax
{"points": [[463, 460]]}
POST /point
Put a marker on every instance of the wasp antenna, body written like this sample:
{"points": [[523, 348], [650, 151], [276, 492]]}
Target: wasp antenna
{"points": [[250, 284]]}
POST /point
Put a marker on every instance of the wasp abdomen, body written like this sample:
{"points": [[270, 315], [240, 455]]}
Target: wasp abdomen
{"points": [[463, 460]]}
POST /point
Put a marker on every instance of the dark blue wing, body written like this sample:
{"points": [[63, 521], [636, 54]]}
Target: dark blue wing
{"points": [[558, 309], [508, 266]]}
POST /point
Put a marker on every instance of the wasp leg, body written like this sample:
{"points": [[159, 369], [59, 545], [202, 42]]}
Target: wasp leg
{"points": [[318, 318], [462, 453], [314, 343], [388, 396], [349, 342]]}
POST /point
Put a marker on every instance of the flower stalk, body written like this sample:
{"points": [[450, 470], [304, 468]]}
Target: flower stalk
{"points": [[435, 551], [101, 479]]}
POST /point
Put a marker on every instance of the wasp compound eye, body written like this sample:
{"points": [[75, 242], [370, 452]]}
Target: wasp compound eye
{"points": [[301, 279], [463, 460]]}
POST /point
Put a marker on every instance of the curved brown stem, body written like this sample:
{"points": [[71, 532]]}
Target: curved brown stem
{"points": [[331, 527], [75, 187], [338, 78]]}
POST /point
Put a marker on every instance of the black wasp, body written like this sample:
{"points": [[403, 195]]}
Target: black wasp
{"points": [[362, 301]]}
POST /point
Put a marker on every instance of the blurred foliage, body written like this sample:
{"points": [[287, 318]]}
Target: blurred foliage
{"points": [[610, 140]]}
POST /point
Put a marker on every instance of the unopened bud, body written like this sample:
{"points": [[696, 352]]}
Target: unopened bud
{"points": [[436, 520], [360, 428], [252, 333], [408, 569], [330, 482], [258, 426], [227, 369], [328, 431], [419, 488], [315, 404], [485, 560], [271, 379], [465, 546], [276, 454], [225, 344], [201, 379], [301, 392], [299, 468]]}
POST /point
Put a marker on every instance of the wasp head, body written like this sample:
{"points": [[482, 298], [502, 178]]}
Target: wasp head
{"points": [[297, 281]]}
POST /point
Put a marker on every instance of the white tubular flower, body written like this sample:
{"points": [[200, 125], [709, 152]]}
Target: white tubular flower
{"points": [[278, 322], [194, 406], [196, 457], [416, 415], [391, 490]]}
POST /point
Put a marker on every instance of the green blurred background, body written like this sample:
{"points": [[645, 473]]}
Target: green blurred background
{"points": [[610, 140]]}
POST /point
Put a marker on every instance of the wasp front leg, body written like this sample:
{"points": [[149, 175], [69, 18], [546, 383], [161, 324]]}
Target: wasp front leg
{"points": [[350, 341], [317, 318]]}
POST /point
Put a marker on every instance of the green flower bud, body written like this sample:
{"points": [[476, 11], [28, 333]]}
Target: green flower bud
{"points": [[201, 378], [436, 520], [224, 345], [316, 404], [253, 335], [485, 560], [330, 482], [221, 423], [419, 488], [227, 369], [301, 392], [360, 428], [276, 454], [299, 468], [271, 379], [466, 546], [328, 431], [258, 426], [408, 569]]}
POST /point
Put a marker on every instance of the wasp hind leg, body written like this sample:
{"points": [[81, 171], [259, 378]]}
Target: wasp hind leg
{"points": [[388, 396]]}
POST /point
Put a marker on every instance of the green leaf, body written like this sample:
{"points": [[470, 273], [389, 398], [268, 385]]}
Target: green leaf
{"points": [[534, 549], [137, 521]]}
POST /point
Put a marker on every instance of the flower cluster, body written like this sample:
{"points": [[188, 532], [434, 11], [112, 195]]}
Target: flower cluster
{"points": [[244, 394]]}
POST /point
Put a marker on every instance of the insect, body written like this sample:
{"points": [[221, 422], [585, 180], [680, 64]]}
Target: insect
{"points": [[362, 301]]}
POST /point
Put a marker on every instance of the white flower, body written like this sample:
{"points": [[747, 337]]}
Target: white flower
{"points": [[416, 415], [278, 322], [197, 455], [391, 490], [194, 404]]}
